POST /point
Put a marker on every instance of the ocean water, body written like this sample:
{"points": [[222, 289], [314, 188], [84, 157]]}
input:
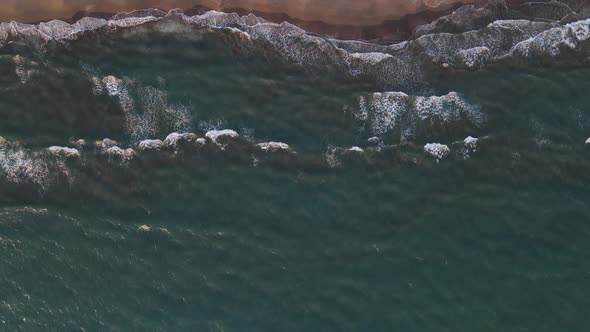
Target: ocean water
{"points": [[492, 237]]}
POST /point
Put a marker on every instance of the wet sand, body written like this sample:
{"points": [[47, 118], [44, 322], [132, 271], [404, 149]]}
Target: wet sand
{"points": [[341, 12]]}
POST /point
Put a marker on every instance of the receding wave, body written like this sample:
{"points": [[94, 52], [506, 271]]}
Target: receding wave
{"points": [[408, 63], [422, 124]]}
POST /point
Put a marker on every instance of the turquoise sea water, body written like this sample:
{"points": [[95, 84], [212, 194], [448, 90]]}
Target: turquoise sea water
{"points": [[219, 241]]}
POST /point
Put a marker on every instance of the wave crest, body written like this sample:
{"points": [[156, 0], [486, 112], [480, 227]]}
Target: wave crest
{"points": [[412, 117], [407, 63]]}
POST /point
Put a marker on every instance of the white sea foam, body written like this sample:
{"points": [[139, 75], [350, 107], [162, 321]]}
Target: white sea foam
{"points": [[356, 149], [97, 86], [554, 41], [173, 139], [372, 58], [474, 57], [144, 228], [23, 68], [387, 111], [331, 157], [274, 147], [201, 142], [105, 144], [471, 142], [178, 118], [124, 155], [447, 108], [221, 137], [215, 135], [112, 85], [147, 229], [79, 144], [469, 146], [392, 65], [145, 108], [210, 125], [150, 144], [384, 110], [32, 210], [64, 152], [144, 121], [20, 166], [437, 150]]}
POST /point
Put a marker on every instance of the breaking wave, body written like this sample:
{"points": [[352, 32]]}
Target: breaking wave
{"points": [[417, 117], [398, 126], [413, 62], [146, 109]]}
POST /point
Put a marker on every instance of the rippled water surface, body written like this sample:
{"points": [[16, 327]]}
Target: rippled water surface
{"points": [[492, 238]]}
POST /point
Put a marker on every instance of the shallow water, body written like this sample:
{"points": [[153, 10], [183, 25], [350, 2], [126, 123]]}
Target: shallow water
{"points": [[487, 240]]}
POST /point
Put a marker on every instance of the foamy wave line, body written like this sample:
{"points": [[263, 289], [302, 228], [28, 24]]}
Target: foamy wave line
{"points": [[146, 109], [410, 62], [413, 117], [44, 170], [32, 168]]}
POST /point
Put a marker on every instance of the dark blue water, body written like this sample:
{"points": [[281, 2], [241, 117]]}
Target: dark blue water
{"points": [[227, 241]]}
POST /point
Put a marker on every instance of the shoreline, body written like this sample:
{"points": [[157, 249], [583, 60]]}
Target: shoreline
{"points": [[388, 31], [341, 12]]}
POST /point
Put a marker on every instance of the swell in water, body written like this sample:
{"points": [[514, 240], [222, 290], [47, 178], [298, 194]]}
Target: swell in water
{"points": [[414, 62], [426, 123], [164, 171]]}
